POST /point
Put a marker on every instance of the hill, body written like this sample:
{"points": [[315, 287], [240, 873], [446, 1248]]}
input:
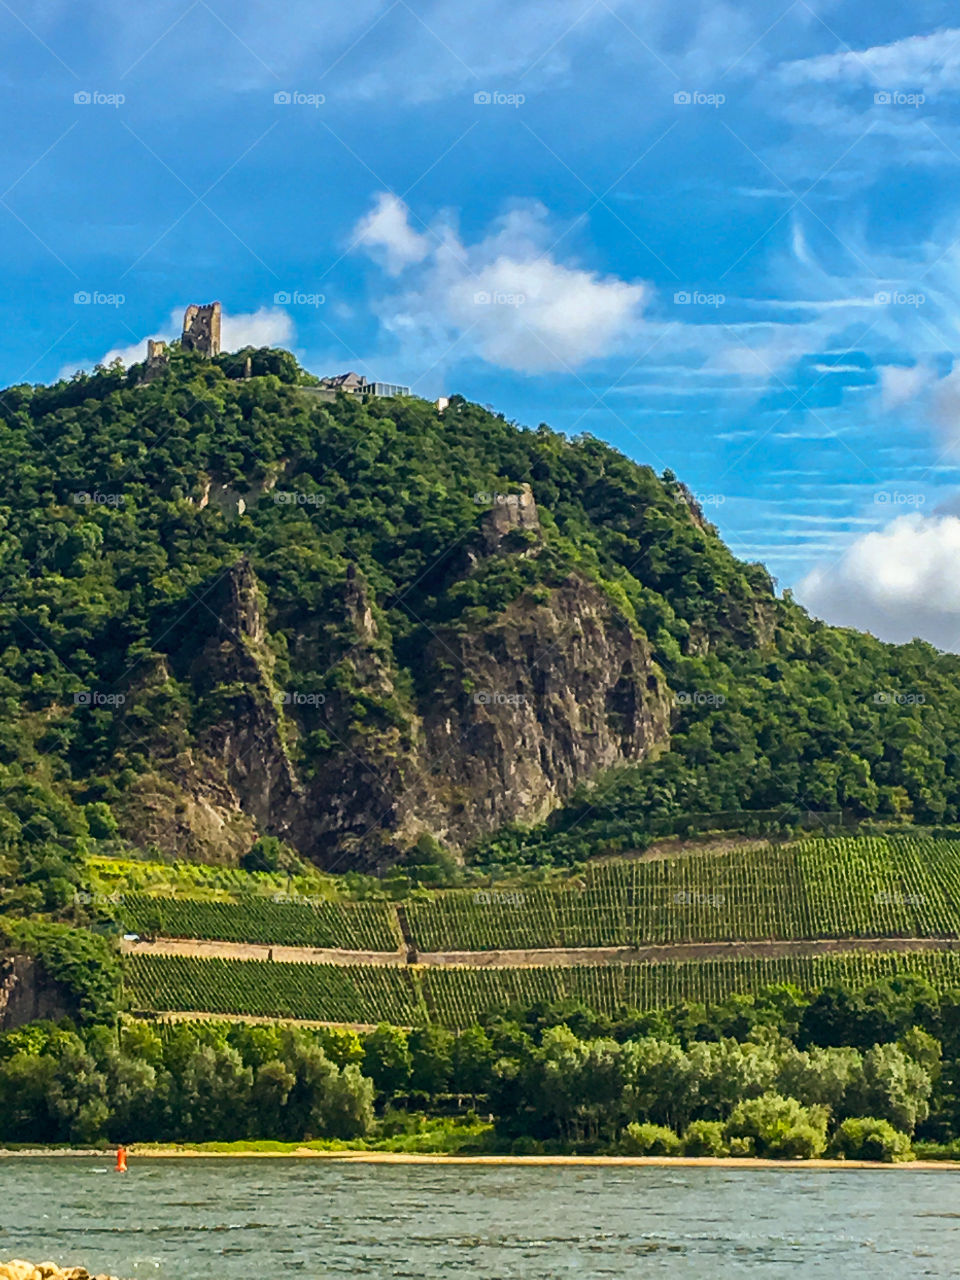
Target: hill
{"points": [[231, 609]]}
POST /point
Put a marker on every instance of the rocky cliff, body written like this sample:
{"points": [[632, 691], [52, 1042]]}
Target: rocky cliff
{"points": [[502, 722], [28, 995]]}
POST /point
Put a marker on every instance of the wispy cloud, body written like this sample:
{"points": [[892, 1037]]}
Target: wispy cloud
{"points": [[930, 60]]}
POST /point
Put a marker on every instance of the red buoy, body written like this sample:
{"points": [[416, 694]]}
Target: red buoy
{"points": [[121, 1166]]}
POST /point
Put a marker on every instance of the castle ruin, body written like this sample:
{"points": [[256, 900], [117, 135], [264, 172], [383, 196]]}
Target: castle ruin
{"points": [[201, 329]]}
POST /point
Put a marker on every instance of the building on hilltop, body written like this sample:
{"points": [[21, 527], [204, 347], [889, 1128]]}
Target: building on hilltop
{"points": [[201, 329], [201, 332], [157, 360], [357, 385]]}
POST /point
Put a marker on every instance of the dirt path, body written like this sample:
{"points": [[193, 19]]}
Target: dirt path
{"points": [[660, 953], [207, 949]]}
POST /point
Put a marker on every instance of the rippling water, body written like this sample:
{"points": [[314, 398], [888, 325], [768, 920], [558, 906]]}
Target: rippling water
{"points": [[199, 1219]]}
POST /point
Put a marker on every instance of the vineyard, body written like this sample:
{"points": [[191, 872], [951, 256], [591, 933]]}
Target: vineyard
{"points": [[882, 887], [902, 886], [315, 992], [359, 926], [455, 997]]}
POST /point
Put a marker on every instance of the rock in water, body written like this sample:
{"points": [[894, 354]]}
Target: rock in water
{"points": [[17, 1269]]}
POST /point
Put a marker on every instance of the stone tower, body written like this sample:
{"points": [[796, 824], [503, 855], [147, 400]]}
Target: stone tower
{"points": [[201, 329], [158, 358]]}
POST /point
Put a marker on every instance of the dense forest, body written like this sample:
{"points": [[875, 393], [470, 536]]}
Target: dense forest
{"points": [[363, 529]]}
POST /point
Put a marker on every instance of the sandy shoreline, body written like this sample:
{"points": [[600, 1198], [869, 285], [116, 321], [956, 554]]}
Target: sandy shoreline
{"points": [[397, 1157]]}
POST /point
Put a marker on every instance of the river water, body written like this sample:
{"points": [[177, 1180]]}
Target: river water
{"points": [[208, 1219]]}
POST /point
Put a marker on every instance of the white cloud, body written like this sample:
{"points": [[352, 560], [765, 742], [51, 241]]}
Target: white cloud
{"points": [[932, 61], [897, 583], [266, 327], [899, 384], [387, 227], [505, 298]]}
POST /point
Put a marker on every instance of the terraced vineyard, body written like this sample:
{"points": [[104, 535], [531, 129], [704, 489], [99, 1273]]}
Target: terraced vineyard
{"points": [[319, 992], [901, 886], [454, 997], [881, 887], [360, 926]]}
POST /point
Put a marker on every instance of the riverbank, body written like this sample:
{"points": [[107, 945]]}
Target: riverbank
{"points": [[283, 1150]]}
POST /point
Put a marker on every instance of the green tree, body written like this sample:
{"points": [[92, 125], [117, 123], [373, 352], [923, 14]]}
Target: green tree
{"points": [[347, 1105], [891, 1087], [387, 1059], [473, 1059], [431, 1059]]}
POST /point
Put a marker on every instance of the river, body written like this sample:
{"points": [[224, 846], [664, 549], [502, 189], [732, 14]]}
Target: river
{"points": [[209, 1219]]}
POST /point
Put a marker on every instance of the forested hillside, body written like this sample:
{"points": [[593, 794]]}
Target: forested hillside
{"points": [[230, 609]]}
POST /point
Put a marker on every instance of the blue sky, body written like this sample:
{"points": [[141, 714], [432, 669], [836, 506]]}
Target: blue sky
{"points": [[726, 239]]}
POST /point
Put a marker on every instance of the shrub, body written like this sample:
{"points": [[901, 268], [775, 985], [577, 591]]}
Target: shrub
{"points": [[780, 1127], [271, 854], [741, 1147], [526, 1146], [704, 1138], [866, 1138], [649, 1140]]}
